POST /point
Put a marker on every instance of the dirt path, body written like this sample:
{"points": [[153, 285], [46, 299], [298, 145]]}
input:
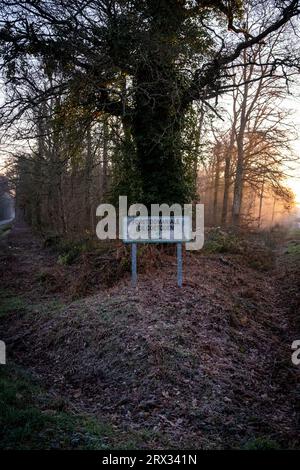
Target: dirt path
{"points": [[22, 258], [207, 366], [30, 271]]}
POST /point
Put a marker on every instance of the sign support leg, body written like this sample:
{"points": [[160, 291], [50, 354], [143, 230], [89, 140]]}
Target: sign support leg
{"points": [[133, 265], [179, 264]]}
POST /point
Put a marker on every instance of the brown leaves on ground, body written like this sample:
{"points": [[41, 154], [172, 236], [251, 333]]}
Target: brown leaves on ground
{"points": [[205, 366]]}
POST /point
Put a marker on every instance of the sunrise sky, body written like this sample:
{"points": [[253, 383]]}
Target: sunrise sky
{"points": [[293, 181]]}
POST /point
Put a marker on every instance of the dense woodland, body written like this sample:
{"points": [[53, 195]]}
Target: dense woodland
{"points": [[162, 101]]}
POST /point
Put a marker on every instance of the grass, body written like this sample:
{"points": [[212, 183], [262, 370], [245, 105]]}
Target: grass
{"points": [[261, 443], [5, 229], [294, 233], [293, 248], [69, 251], [11, 305], [30, 419], [257, 251]]}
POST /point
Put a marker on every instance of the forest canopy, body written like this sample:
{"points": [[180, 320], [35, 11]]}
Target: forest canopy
{"points": [[140, 79]]}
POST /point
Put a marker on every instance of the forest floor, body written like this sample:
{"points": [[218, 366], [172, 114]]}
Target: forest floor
{"points": [[207, 366]]}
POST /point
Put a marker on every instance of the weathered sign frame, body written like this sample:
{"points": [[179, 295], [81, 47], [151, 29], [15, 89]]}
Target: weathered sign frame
{"points": [[185, 236]]}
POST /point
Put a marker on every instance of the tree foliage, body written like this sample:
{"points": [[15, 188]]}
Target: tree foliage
{"points": [[143, 61]]}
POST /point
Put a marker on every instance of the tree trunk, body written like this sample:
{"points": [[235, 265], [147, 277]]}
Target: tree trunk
{"points": [[261, 197], [216, 188], [105, 158], [88, 169], [273, 210], [238, 187], [157, 122], [37, 170], [157, 133], [239, 174], [197, 143], [227, 181]]}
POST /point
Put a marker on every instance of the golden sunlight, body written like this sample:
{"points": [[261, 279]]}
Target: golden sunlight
{"points": [[294, 184]]}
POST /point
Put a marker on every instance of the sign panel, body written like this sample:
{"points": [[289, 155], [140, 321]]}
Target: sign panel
{"points": [[157, 229]]}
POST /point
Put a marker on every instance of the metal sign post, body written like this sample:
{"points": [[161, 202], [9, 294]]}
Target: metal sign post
{"points": [[179, 264], [156, 230], [133, 264]]}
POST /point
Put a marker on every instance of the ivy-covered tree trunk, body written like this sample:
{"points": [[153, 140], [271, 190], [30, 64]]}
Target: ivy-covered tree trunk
{"points": [[158, 118], [157, 135]]}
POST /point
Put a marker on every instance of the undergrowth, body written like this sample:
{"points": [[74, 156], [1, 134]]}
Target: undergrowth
{"points": [[255, 249], [31, 419]]}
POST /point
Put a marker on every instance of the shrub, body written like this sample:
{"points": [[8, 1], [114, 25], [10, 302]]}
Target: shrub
{"points": [[260, 258], [219, 241]]}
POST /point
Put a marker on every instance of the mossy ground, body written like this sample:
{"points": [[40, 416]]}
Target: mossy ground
{"points": [[33, 419]]}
